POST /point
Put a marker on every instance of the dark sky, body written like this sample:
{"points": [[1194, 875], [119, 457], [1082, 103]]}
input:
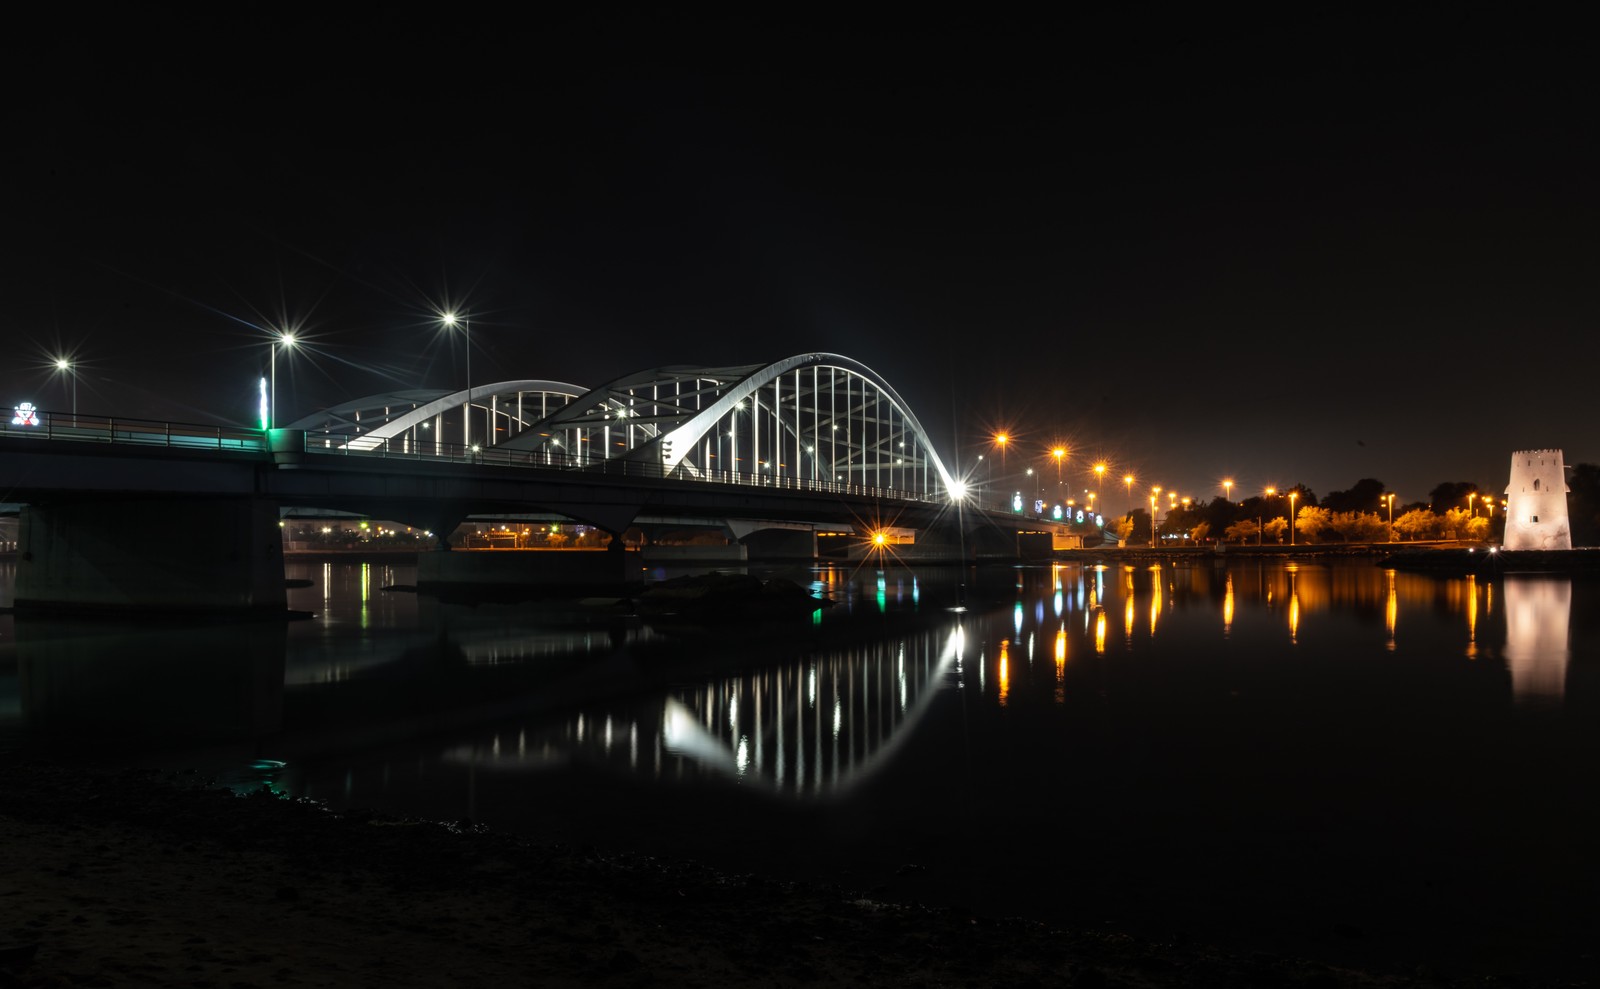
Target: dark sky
{"points": [[1307, 251]]}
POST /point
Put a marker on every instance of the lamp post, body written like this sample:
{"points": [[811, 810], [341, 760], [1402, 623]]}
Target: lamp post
{"points": [[1390, 499], [1153, 520], [1059, 453], [1099, 476], [1271, 491], [1470, 495], [1128, 480], [64, 365], [1227, 490], [1292, 496], [283, 339], [1002, 439], [450, 320]]}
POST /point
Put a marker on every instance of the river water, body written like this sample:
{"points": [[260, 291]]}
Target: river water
{"points": [[1325, 758]]}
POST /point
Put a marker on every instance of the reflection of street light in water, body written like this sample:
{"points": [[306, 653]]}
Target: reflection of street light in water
{"points": [[1294, 605]]}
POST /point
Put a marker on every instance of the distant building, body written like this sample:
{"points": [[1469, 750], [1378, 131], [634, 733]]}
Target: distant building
{"points": [[1536, 502]]}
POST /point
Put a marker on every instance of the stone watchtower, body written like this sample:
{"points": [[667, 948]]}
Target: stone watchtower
{"points": [[1536, 502]]}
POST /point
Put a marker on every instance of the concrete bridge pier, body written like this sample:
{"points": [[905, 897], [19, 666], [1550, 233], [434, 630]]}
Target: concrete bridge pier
{"points": [[121, 556]]}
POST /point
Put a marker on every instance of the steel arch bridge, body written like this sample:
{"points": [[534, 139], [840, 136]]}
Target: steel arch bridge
{"points": [[816, 420]]}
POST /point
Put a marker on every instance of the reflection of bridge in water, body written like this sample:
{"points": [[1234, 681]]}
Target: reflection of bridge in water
{"points": [[813, 728]]}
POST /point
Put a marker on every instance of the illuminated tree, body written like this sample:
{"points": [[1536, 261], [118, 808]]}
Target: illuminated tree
{"points": [[1311, 521], [1419, 523], [1275, 528], [1359, 527], [1244, 530]]}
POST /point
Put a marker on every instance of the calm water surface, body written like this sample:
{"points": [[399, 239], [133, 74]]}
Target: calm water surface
{"points": [[1333, 760]]}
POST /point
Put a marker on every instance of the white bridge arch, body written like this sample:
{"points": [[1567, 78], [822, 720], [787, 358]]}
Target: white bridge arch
{"points": [[815, 420]]}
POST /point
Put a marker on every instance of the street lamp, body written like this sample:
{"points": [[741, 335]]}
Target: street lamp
{"points": [[65, 366], [1153, 520], [1227, 490], [1059, 452], [1470, 495], [1002, 439], [1292, 496], [1128, 480], [282, 339], [1099, 475], [1390, 499], [450, 320]]}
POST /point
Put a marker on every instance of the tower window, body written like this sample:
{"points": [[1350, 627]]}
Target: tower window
{"points": [[1533, 518], [1536, 484]]}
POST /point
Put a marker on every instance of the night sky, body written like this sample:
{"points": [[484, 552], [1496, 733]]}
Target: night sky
{"points": [[1281, 252]]}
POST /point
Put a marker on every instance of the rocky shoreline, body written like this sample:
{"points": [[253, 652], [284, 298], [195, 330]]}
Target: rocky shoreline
{"points": [[157, 879]]}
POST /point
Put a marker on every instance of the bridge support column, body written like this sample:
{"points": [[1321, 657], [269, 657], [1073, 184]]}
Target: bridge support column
{"points": [[122, 557]]}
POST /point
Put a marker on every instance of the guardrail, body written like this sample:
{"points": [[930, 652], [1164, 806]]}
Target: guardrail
{"points": [[338, 444], [282, 443], [142, 432]]}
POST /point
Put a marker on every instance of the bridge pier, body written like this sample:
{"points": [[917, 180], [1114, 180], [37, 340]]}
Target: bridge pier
{"points": [[123, 556]]}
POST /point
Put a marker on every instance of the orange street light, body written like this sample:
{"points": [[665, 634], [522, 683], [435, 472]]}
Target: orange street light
{"points": [[1292, 496], [1002, 439], [1227, 490], [1128, 480], [1059, 452]]}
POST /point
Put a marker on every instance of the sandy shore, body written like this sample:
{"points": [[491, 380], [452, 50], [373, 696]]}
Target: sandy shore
{"points": [[149, 879]]}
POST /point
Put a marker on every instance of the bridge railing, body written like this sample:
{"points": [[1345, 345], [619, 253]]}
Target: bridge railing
{"points": [[144, 432], [90, 428], [547, 459]]}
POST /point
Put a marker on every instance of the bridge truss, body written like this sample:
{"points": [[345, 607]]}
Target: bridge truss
{"points": [[817, 421]]}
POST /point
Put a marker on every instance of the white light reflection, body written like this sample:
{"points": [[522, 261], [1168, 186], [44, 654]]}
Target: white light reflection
{"points": [[1538, 611], [683, 735]]}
